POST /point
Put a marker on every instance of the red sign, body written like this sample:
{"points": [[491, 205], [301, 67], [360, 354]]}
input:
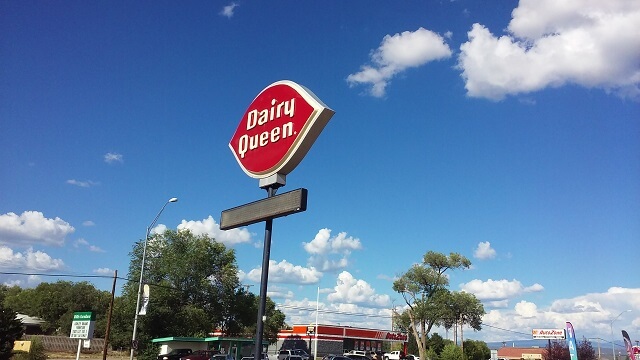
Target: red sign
{"points": [[278, 129]]}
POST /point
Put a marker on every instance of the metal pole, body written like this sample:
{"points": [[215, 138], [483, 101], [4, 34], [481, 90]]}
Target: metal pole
{"points": [[315, 344], [144, 254], [257, 354], [613, 341]]}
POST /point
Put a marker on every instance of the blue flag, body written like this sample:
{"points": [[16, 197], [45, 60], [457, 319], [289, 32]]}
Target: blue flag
{"points": [[571, 342]]}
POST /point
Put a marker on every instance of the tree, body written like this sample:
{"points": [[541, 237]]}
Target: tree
{"points": [[56, 302], [194, 290], [11, 330], [476, 350], [462, 308], [560, 351], [424, 289], [451, 352]]}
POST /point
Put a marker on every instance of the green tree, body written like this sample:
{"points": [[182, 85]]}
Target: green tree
{"points": [[476, 350], [462, 308], [11, 330], [585, 350], [424, 289], [451, 352], [194, 290]]}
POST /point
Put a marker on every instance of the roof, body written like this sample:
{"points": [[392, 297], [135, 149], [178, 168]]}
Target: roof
{"points": [[209, 339], [29, 320], [517, 352]]}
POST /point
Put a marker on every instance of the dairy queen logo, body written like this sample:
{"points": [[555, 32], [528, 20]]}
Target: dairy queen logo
{"points": [[278, 129]]}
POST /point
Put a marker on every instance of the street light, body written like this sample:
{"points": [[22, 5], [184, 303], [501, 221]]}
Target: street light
{"points": [[144, 254], [613, 343]]}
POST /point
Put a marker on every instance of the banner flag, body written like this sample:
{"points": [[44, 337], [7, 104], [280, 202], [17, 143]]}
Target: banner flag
{"points": [[628, 344], [145, 301], [571, 342]]}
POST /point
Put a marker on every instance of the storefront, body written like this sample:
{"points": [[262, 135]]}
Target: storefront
{"points": [[336, 339]]}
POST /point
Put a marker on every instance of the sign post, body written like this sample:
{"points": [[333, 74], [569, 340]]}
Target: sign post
{"points": [[275, 133], [82, 328]]}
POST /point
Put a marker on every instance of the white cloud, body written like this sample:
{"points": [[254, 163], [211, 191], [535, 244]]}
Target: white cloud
{"points": [[591, 43], [278, 292], [84, 184], [29, 260], [88, 223], [356, 291], [82, 243], [323, 246], [111, 158], [229, 10], [396, 54], [212, 229], [31, 227], [498, 290], [103, 271], [484, 251], [286, 273]]}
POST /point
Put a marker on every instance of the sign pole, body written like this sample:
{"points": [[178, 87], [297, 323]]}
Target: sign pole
{"points": [[264, 278], [78, 353]]}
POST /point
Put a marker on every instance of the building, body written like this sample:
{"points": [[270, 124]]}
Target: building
{"points": [[517, 353], [336, 339], [237, 347]]}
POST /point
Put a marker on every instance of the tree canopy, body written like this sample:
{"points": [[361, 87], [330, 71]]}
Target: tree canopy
{"points": [[429, 302]]}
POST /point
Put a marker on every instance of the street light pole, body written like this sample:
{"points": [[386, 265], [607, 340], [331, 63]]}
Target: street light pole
{"points": [[144, 254], [613, 343]]}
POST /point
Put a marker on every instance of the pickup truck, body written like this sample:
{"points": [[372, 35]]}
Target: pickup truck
{"points": [[394, 355]]}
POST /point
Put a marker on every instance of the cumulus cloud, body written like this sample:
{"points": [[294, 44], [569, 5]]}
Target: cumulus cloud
{"points": [[209, 227], [84, 184], [484, 251], [111, 158], [31, 227], [104, 271], [29, 260], [229, 10], [396, 54], [286, 273], [497, 291], [591, 43], [324, 249], [278, 292], [82, 243], [356, 291]]}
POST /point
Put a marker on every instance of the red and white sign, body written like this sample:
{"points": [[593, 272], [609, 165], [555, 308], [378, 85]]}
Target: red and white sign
{"points": [[278, 129], [548, 334]]}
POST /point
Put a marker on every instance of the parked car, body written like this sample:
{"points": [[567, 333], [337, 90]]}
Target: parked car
{"points": [[200, 355], [412, 357], [295, 357], [285, 353], [251, 357], [222, 357], [357, 357], [175, 354]]}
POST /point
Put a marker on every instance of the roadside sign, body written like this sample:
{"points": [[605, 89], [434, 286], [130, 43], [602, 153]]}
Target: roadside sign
{"points": [[278, 129], [82, 325]]}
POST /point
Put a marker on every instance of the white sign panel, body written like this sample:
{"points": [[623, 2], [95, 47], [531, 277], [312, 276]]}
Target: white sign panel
{"points": [[550, 334], [82, 325]]}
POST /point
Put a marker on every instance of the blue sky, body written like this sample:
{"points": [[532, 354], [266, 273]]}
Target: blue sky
{"points": [[502, 130]]}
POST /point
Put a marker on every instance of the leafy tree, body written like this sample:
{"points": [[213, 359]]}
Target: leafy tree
{"points": [[194, 290], [585, 350], [56, 302], [560, 351], [437, 343], [11, 329], [451, 352], [476, 350], [462, 308], [424, 289]]}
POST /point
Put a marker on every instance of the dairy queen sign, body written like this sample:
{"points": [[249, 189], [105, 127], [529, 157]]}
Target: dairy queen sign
{"points": [[278, 129], [274, 134]]}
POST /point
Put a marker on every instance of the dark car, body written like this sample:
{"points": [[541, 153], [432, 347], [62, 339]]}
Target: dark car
{"points": [[357, 357], [200, 355], [175, 354]]}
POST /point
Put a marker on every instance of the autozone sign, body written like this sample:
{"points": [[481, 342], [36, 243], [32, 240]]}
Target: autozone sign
{"points": [[278, 129], [548, 334]]}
